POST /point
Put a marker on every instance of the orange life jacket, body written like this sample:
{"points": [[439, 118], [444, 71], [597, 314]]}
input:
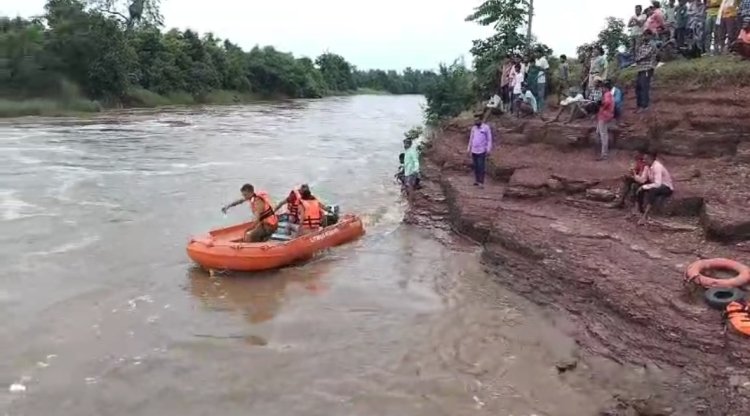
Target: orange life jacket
{"points": [[267, 215], [738, 315], [313, 214], [293, 208]]}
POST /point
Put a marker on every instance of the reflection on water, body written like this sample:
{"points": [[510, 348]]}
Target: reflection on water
{"points": [[104, 314], [258, 297]]}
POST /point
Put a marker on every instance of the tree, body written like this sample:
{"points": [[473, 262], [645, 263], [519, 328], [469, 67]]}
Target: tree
{"points": [[613, 36], [450, 94], [506, 17], [97, 49], [131, 12], [337, 72]]}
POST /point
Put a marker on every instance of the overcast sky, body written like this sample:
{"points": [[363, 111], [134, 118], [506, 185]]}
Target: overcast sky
{"points": [[389, 34]]}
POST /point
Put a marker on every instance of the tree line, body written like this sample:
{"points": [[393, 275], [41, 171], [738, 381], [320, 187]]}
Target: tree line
{"points": [[113, 56]]}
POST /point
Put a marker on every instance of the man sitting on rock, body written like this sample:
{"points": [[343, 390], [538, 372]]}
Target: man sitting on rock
{"points": [[636, 176], [659, 185], [527, 105]]}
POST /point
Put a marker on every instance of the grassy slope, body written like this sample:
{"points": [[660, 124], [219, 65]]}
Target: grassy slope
{"points": [[713, 71]]}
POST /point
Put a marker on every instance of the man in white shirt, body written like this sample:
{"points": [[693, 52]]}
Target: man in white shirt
{"points": [[636, 24], [527, 103], [516, 84], [659, 185], [541, 80]]}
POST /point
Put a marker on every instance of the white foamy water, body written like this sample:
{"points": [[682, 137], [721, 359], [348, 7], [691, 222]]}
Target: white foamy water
{"points": [[13, 208], [69, 246]]}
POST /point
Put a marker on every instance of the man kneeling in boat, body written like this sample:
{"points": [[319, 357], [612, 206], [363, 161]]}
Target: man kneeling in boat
{"points": [[311, 212], [260, 204]]}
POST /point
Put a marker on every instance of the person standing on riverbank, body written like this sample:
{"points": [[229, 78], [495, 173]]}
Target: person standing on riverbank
{"points": [[541, 80], [411, 167], [645, 60], [604, 118], [480, 145]]}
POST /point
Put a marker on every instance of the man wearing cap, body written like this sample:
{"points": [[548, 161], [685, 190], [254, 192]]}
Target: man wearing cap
{"points": [[480, 144]]}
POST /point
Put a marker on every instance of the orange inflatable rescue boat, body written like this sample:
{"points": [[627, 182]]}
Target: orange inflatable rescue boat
{"points": [[223, 249]]}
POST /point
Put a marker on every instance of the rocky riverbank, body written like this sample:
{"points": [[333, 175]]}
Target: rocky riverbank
{"points": [[548, 234]]}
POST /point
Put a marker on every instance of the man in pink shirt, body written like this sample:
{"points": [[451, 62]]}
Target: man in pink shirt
{"points": [[480, 145], [656, 22], [604, 117], [659, 185]]}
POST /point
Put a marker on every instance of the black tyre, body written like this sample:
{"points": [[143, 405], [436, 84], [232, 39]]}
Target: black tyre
{"points": [[719, 298]]}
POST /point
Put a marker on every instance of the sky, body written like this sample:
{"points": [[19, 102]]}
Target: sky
{"points": [[388, 34]]}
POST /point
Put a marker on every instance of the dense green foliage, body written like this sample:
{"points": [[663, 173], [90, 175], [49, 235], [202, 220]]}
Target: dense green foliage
{"points": [[113, 51], [451, 94], [457, 87], [506, 17]]}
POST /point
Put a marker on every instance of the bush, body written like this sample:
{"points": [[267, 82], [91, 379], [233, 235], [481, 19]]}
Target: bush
{"points": [[141, 97], [46, 107], [450, 94]]}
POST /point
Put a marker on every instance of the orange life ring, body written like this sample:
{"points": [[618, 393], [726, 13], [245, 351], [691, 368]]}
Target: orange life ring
{"points": [[694, 273], [739, 317]]}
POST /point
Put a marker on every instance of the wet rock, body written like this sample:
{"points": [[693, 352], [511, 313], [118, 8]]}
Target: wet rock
{"points": [[601, 195], [743, 152], [554, 185], [529, 178], [698, 143], [725, 222], [685, 202], [565, 365], [573, 184], [519, 192]]}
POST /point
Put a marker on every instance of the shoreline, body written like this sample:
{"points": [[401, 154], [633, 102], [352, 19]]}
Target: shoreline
{"points": [[547, 235], [82, 107]]}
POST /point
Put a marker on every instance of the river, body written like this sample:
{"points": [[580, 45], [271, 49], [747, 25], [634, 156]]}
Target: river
{"points": [[103, 313]]}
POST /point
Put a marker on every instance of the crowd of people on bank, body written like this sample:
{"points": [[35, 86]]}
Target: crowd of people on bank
{"points": [[695, 27]]}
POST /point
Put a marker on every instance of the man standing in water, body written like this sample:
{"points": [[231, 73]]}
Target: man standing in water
{"points": [[480, 144], [266, 221]]}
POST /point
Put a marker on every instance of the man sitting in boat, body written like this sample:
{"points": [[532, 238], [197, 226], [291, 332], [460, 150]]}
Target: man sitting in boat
{"points": [[311, 212], [292, 205], [266, 221]]}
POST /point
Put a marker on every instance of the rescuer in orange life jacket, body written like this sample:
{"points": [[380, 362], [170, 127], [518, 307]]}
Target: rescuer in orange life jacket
{"points": [[292, 203], [261, 207], [312, 213]]}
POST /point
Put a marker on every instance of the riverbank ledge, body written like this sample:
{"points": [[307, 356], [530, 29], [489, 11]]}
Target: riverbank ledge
{"points": [[547, 233]]}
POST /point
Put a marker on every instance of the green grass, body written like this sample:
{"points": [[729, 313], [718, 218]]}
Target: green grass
{"points": [[712, 71], [370, 91], [46, 107]]}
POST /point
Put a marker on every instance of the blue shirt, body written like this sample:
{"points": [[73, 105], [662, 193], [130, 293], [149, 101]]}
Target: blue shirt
{"points": [[617, 94]]}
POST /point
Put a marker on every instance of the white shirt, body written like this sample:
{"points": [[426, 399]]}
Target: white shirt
{"points": [[517, 81], [544, 65], [658, 175], [640, 21]]}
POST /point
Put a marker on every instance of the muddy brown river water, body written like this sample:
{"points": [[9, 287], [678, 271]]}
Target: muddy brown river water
{"points": [[104, 314]]}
